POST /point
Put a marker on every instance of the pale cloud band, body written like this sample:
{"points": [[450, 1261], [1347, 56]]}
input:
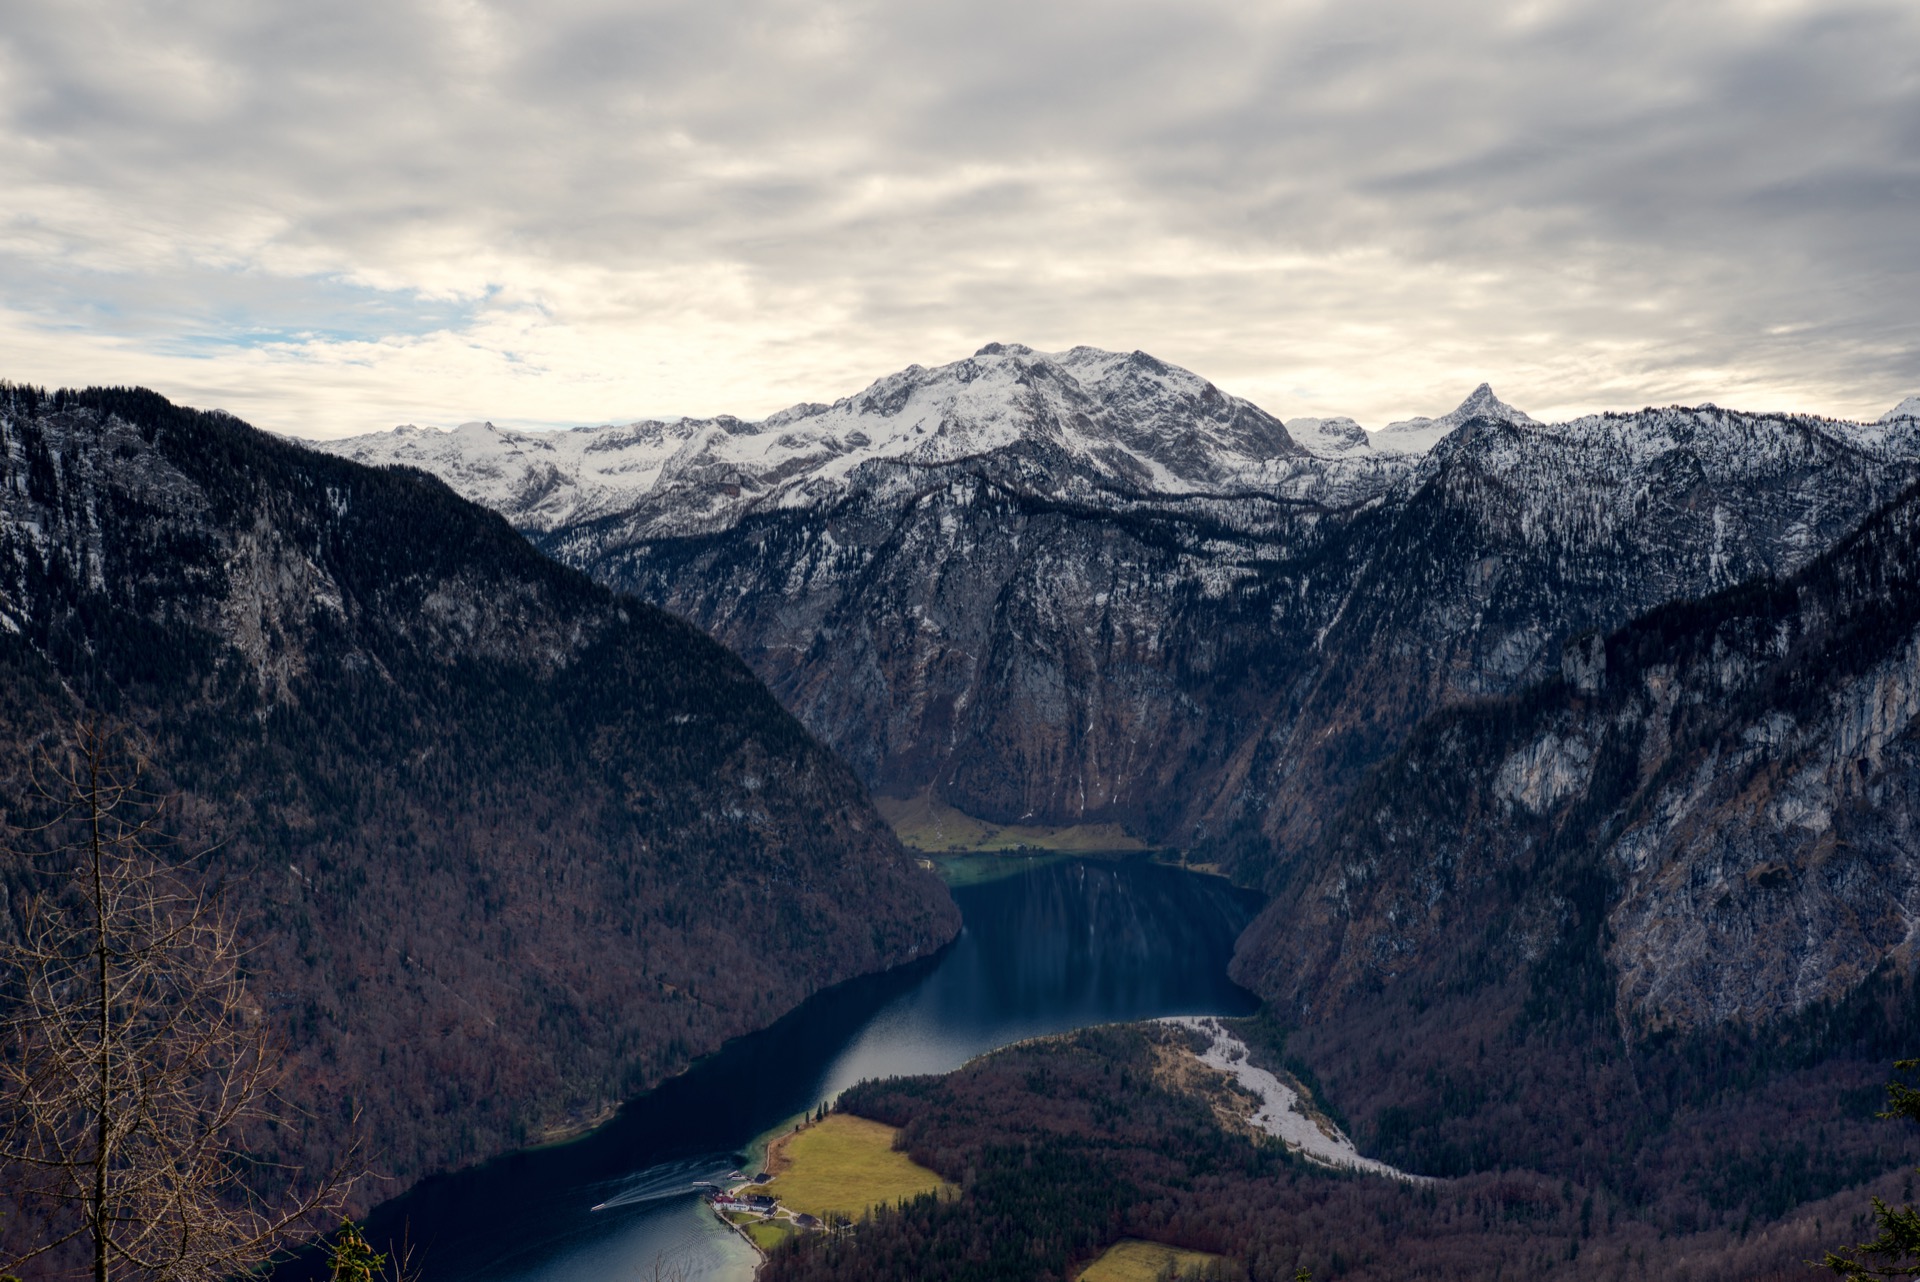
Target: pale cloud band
{"points": [[331, 218]]}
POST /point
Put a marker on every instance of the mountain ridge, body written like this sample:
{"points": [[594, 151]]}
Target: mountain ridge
{"points": [[546, 478], [1740, 769], [1098, 420], [510, 846], [1206, 668]]}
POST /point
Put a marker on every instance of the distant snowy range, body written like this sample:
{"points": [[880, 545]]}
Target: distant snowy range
{"points": [[1089, 587], [1117, 422]]}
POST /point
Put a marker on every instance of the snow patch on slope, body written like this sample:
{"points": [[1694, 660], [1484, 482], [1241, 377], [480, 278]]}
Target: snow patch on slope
{"points": [[1335, 437]]}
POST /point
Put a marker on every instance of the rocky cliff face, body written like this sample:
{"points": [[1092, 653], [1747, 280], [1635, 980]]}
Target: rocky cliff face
{"points": [[1510, 537], [510, 846], [1713, 809]]}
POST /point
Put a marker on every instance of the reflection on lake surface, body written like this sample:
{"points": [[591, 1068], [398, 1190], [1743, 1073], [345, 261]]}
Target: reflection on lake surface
{"points": [[1056, 947]]}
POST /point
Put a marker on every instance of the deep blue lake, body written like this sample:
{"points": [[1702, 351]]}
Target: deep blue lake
{"points": [[1056, 946]]}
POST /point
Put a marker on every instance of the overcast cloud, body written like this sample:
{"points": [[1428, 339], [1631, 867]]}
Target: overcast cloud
{"points": [[333, 217]]}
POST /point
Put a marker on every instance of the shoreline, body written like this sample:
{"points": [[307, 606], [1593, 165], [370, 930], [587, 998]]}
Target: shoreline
{"points": [[741, 1231], [609, 1114], [1285, 1111], [562, 1134], [748, 1064]]}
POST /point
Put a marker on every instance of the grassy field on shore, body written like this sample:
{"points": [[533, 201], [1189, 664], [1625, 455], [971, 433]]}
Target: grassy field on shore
{"points": [[1136, 1261], [972, 870], [927, 824], [846, 1165], [966, 851], [767, 1234]]}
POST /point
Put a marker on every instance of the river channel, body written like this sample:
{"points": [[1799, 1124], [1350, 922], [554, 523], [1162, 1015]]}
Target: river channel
{"points": [[1055, 946]]}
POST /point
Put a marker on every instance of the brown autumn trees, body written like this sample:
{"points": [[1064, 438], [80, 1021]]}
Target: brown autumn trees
{"points": [[134, 1069]]}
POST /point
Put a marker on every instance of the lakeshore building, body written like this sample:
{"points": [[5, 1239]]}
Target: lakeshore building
{"points": [[758, 1204]]}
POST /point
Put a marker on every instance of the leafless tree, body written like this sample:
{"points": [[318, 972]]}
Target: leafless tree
{"points": [[134, 1071]]}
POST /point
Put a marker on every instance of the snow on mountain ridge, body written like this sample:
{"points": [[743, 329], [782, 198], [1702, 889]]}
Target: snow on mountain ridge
{"points": [[1123, 420], [1085, 424], [1335, 437], [1418, 435]]}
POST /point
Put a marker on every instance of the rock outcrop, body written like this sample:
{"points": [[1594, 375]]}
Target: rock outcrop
{"points": [[1713, 811]]}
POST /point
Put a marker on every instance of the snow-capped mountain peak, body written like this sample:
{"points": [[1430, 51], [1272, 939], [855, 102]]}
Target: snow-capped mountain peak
{"points": [[1123, 421], [1909, 408], [1482, 403], [1418, 435]]}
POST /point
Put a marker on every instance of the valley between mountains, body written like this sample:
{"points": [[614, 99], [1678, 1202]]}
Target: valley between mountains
{"points": [[1575, 765], [1087, 588]]}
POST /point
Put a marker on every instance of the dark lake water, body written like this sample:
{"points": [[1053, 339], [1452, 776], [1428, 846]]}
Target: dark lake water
{"points": [[1055, 947]]}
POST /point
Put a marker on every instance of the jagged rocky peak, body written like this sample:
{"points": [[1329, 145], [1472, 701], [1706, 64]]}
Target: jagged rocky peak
{"points": [[1418, 435], [1482, 403], [1125, 421], [1905, 410]]}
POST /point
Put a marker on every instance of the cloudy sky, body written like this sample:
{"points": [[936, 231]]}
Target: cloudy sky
{"points": [[334, 217]]}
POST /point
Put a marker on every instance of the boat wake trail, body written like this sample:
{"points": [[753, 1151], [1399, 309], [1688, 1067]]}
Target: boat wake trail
{"points": [[669, 1179]]}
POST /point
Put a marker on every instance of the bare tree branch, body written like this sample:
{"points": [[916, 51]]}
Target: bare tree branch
{"points": [[133, 1071]]}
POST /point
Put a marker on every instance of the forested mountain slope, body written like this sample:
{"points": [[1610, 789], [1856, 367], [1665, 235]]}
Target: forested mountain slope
{"points": [[509, 846]]}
